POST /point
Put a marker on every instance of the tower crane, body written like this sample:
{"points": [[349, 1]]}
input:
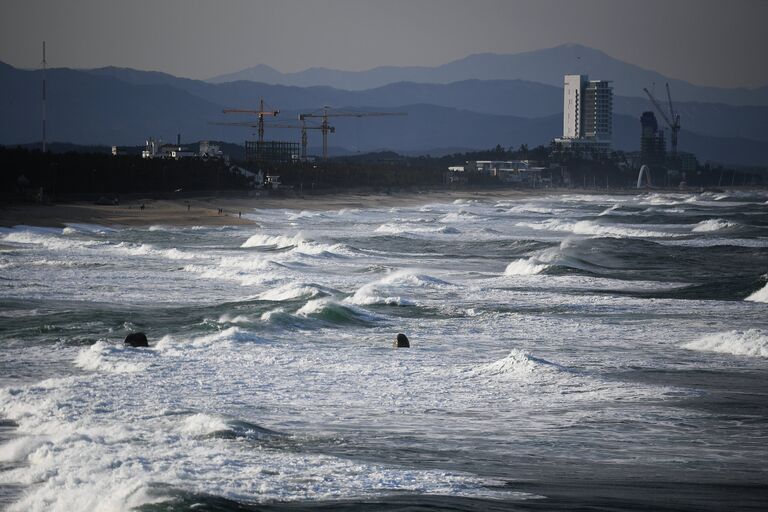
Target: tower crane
{"points": [[325, 128], [303, 127], [261, 113], [674, 124]]}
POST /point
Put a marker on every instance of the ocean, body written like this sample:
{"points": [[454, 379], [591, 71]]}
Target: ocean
{"points": [[568, 352]]}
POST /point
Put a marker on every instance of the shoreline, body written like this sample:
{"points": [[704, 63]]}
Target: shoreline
{"points": [[226, 210], [204, 210]]}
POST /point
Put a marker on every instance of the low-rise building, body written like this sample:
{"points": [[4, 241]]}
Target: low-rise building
{"points": [[518, 172], [209, 150]]}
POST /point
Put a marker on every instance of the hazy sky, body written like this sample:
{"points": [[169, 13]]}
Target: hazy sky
{"points": [[706, 42]]}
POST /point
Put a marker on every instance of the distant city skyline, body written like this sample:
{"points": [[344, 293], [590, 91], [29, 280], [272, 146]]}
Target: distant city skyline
{"points": [[705, 42]]}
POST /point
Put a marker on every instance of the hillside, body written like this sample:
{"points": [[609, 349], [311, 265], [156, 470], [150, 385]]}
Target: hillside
{"points": [[124, 107], [546, 66]]}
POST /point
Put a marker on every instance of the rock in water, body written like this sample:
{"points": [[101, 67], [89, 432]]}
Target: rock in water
{"points": [[402, 341], [137, 339]]}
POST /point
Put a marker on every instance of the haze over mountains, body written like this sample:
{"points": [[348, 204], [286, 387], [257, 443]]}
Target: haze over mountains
{"points": [[473, 103], [546, 66]]}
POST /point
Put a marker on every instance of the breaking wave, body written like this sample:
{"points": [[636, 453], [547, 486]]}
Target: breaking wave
{"points": [[291, 291], [520, 364], [750, 342], [330, 311], [202, 425], [110, 358], [273, 241], [713, 225], [525, 267], [760, 295], [588, 227]]}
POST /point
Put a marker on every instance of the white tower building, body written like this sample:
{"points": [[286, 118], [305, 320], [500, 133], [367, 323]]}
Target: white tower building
{"points": [[587, 114], [572, 105]]}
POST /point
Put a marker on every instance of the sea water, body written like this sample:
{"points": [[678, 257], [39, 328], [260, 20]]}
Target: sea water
{"points": [[567, 351]]}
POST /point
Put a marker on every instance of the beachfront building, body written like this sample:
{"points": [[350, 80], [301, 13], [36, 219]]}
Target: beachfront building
{"points": [[587, 116], [209, 150], [516, 172]]}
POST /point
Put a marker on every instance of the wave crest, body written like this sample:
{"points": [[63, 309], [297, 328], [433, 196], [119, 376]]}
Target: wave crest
{"points": [[330, 311], [525, 267], [712, 225], [273, 241], [519, 364], [760, 295], [751, 342], [104, 357]]}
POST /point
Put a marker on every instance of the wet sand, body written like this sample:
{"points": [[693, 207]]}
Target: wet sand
{"points": [[220, 211]]}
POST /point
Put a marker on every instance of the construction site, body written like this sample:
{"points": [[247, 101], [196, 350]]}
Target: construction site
{"points": [[262, 150]]}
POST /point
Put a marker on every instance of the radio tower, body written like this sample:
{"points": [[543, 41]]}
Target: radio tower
{"points": [[44, 134]]}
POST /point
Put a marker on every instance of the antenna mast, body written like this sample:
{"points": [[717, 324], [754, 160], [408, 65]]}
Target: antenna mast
{"points": [[44, 101]]}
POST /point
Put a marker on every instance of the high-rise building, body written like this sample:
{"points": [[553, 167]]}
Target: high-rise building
{"points": [[652, 145], [572, 105], [587, 108], [587, 114], [597, 110]]}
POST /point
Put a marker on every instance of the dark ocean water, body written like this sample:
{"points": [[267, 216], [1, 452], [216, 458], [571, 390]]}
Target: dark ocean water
{"points": [[568, 353]]}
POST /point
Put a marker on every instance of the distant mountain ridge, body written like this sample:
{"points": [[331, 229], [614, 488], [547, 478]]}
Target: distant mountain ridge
{"points": [[507, 97], [123, 107], [546, 66]]}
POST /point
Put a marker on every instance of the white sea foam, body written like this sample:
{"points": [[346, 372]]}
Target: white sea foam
{"points": [[712, 225], [760, 295], [313, 307], [462, 216], [323, 250], [525, 267], [529, 208], [750, 342], [93, 229], [588, 227], [226, 318], [720, 241], [130, 423], [272, 314], [19, 449], [305, 214], [290, 291], [202, 424], [276, 241], [232, 336], [610, 211], [375, 293], [517, 364], [415, 228], [102, 356], [247, 271], [395, 287], [152, 251], [413, 278], [50, 238]]}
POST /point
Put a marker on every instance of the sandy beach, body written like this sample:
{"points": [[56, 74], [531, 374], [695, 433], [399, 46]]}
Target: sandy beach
{"points": [[220, 211]]}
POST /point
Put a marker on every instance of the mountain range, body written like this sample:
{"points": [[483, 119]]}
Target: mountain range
{"points": [[546, 66], [125, 106]]}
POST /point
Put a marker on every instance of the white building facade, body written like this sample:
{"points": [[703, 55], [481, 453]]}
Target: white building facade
{"points": [[587, 114], [572, 105]]}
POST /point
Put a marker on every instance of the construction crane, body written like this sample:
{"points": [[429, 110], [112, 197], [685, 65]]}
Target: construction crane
{"points": [[261, 113], [303, 127], [674, 124], [325, 128]]}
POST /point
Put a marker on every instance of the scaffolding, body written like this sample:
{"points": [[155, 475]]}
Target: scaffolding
{"points": [[271, 151]]}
